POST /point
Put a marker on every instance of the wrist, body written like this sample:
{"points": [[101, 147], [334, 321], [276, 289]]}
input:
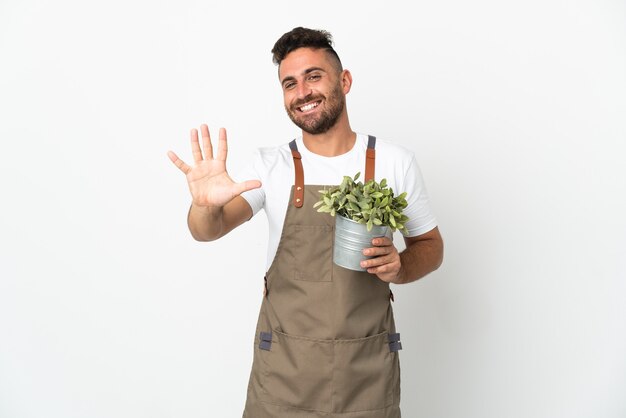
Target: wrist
{"points": [[207, 210], [400, 277]]}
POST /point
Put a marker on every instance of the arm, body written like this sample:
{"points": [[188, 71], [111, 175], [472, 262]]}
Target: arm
{"points": [[423, 255], [208, 224], [217, 207]]}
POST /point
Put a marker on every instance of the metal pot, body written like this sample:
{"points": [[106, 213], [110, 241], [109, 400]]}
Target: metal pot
{"points": [[351, 238]]}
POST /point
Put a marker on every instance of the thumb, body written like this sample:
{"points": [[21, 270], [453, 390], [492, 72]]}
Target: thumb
{"points": [[244, 186]]}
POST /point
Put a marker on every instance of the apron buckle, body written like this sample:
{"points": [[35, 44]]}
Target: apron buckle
{"points": [[394, 342], [266, 341]]}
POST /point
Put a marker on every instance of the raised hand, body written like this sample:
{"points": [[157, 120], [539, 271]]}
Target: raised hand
{"points": [[209, 183]]}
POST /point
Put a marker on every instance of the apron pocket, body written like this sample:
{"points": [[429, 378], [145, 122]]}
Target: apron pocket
{"points": [[298, 372], [313, 255], [363, 375]]}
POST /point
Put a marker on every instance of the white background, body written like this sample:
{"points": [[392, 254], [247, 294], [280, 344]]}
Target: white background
{"points": [[515, 110]]}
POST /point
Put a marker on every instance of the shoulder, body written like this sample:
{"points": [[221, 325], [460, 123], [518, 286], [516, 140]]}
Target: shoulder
{"points": [[272, 156], [394, 155], [390, 149], [397, 164]]}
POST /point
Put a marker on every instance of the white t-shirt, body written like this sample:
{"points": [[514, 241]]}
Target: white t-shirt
{"points": [[273, 166]]}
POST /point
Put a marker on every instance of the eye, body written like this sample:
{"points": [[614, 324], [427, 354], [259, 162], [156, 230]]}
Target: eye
{"points": [[289, 85], [314, 77]]}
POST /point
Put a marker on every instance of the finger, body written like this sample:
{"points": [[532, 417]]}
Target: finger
{"points": [[195, 146], [178, 162], [377, 261], [206, 142], [382, 242], [222, 146], [377, 251], [246, 185], [379, 270], [384, 270]]}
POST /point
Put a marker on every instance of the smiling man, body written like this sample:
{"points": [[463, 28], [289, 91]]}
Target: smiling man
{"points": [[326, 343], [303, 99]]}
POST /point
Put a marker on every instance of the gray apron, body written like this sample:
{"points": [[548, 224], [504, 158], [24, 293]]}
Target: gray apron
{"points": [[325, 343]]}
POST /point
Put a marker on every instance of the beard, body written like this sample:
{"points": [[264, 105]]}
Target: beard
{"points": [[333, 106]]}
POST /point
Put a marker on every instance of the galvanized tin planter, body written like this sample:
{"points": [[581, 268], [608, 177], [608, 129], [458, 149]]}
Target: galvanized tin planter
{"points": [[351, 238]]}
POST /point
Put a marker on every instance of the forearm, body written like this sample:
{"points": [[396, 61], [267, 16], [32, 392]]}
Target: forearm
{"points": [[419, 259], [205, 223], [210, 223]]}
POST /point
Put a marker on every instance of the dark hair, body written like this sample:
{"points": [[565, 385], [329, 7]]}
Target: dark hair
{"points": [[304, 38]]}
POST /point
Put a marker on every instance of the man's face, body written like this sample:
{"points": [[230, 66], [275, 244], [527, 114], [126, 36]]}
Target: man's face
{"points": [[313, 91]]}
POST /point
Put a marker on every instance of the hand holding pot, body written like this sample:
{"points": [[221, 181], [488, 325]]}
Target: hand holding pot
{"points": [[386, 262], [209, 183]]}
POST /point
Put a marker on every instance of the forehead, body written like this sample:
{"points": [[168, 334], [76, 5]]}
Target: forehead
{"points": [[301, 59]]}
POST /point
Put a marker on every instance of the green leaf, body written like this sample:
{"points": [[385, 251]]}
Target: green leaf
{"points": [[368, 203], [344, 184]]}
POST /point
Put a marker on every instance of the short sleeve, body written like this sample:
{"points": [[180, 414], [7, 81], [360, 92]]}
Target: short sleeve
{"points": [[421, 218], [252, 171]]}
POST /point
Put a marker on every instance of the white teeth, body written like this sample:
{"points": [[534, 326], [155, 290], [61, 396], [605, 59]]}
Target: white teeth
{"points": [[308, 107]]}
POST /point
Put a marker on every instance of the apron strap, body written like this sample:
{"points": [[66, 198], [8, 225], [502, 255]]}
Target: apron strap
{"points": [[370, 158], [298, 194]]}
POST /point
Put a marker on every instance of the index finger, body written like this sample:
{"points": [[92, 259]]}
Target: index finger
{"points": [[382, 241], [195, 146]]}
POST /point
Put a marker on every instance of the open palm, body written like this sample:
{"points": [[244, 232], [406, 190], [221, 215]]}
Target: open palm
{"points": [[209, 183]]}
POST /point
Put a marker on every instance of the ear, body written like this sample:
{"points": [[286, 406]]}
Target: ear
{"points": [[346, 81]]}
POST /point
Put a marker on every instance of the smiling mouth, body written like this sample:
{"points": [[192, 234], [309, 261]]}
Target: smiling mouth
{"points": [[309, 106]]}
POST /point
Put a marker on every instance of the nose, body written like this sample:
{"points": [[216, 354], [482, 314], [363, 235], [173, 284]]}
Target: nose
{"points": [[303, 90]]}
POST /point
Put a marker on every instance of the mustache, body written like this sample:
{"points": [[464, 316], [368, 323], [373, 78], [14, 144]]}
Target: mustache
{"points": [[309, 98]]}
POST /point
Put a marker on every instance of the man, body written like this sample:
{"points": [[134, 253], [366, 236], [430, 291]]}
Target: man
{"points": [[326, 344]]}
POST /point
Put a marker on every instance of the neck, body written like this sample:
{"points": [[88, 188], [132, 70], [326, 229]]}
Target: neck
{"points": [[336, 141]]}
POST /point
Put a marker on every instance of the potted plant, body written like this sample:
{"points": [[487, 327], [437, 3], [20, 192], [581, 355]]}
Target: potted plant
{"points": [[365, 211]]}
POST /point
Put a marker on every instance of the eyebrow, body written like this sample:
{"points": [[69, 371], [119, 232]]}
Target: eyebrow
{"points": [[305, 72]]}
